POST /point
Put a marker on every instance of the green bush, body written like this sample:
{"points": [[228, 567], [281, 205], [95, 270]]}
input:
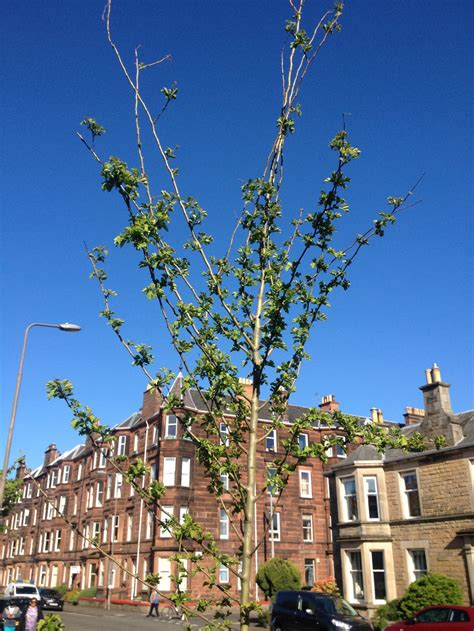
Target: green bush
{"points": [[61, 589], [276, 575], [90, 592], [431, 589], [72, 596], [52, 622], [389, 612], [264, 618]]}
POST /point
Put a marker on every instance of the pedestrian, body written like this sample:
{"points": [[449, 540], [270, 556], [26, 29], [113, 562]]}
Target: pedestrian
{"points": [[154, 602], [32, 615], [11, 615]]}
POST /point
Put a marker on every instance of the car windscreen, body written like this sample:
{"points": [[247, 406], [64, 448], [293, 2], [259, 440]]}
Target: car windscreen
{"points": [[335, 605], [25, 589]]}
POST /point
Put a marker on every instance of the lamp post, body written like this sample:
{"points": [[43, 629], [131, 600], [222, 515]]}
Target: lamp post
{"points": [[66, 326]]}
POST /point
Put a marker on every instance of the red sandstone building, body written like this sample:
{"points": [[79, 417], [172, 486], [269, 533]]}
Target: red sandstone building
{"points": [[39, 546]]}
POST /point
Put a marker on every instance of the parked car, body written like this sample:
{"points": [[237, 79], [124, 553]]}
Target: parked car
{"points": [[51, 599], [315, 611], [438, 618], [20, 589]]}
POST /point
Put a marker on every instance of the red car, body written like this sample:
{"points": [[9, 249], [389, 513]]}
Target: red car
{"points": [[438, 618]]}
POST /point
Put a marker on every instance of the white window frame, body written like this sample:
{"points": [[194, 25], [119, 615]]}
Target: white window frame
{"points": [[122, 445], [66, 474], [413, 573], [118, 485], [305, 493], [378, 601], [167, 512], [271, 441], [105, 531], [274, 530], [171, 426], [99, 493], [405, 501], [224, 574], [115, 528], [185, 472], [224, 434], [368, 493], [79, 472], [350, 576], [183, 510], [307, 531], [149, 525], [309, 564], [164, 571], [135, 443], [129, 526], [345, 502], [223, 524], [224, 477], [169, 471], [303, 438], [154, 439], [103, 453]]}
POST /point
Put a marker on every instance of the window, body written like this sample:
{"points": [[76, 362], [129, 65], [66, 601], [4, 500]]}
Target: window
{"points": [[224, 574], [122, 445], [118, 485], [54, 478], [307, 528], [149, 525], [109, 486], [129, 527], [274, 529], [185, 471], [154, 439], [96, 530], [166, 517], [103, 453], [225, 481], [61, 504], [79, 472], [224, 434], [271, 477], [66, 474], [371, 498], [74, 506], [271, 441], [223, 524], [309, 574], [153, 472], [183, 510], [183, 574], [29, 490], [171, 426], [99, 493], [350, 500], [411, 497], [169, 469], [378, 575], [135, 444], [356, 584], [417, 565], [303, 442], [340, 451], [71, 540], [115, 527], [305, 484], [105, 531], [164, 570], [434, 615]]}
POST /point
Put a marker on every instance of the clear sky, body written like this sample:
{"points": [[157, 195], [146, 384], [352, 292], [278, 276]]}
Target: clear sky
{"points": [[400, 68]]}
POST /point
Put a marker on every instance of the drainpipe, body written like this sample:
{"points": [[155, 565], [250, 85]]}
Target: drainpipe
{"points": [[256, 545], [137, 560]]}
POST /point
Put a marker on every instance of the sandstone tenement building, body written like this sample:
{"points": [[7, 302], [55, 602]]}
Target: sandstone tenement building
{"points": [[399, 515]]}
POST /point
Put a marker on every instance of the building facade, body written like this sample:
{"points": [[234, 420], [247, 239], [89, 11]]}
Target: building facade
{"points": [[399, 515], [100, 504]]}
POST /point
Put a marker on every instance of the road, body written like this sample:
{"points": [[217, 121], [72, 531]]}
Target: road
{"points": [[91, 618]]}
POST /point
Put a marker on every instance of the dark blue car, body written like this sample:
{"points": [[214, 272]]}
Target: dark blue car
{"points": [[315, 611]]}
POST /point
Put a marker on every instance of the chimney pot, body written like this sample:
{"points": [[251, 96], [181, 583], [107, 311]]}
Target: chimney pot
{"points": [[436, 373], [380, 416], [373, 415], [428, 376], [329, 403]]}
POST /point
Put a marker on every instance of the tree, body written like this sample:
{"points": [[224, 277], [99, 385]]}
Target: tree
{"points": [[276, 575], [12, 493], [431, 589], [249, 306]]}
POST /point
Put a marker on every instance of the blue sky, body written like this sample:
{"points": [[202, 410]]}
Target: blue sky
{"points": [[400, 68]]}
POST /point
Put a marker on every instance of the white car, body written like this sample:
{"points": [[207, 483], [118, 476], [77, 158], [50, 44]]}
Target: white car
{"points": [[19, 589]]}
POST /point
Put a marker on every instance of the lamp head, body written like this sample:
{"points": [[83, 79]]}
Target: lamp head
{"points": [[71, 328]]}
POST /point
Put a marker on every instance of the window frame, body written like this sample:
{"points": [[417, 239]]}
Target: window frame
{"points": [[412, 571], [186, 472], [169, 424], [274, 534], [224, 524], [169, 471], [365, 480], [345, 500], [307, 531], [165, 532], [271, 438], [301, 473], [351, 572], [406, 506], [373, 571]]}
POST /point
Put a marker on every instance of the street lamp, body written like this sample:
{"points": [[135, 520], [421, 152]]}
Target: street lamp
{"points": [[66, 326]]}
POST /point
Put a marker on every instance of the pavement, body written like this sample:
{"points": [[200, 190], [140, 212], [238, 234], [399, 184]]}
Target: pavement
{"points": [[94, 618]]}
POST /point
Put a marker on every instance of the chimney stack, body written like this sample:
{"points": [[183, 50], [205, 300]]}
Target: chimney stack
{"points": [[152, 400], [329, 403], [20, 469], [51, 454], [246, 386], [413, 416], [436, 393]]}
